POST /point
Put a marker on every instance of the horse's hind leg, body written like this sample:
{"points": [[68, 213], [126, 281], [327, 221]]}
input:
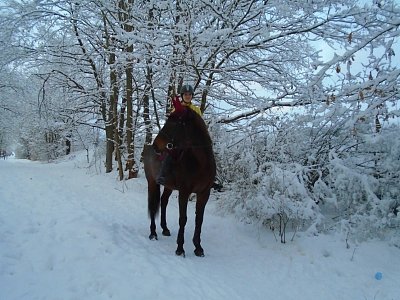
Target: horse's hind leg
{"points": [[202, 200], [164, 202]]}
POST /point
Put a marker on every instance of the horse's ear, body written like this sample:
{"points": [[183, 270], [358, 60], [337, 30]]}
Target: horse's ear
{"points": [[177, 104]]}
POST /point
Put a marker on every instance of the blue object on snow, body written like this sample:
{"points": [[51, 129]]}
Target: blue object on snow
{"points": [[378, 275]]}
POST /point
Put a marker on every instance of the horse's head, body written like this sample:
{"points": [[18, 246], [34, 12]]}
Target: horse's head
{"points": [[184, 128]]}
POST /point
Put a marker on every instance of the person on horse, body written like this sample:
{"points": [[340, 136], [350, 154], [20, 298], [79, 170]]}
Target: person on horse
{"points": [[187, 93]]}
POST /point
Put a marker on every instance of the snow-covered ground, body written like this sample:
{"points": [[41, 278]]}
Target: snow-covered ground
{"points": [[66, 233]]}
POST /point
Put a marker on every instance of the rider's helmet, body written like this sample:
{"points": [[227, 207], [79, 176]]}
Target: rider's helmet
{"points": [[187, 88]]}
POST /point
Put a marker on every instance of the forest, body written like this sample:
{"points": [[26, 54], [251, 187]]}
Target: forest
{"points": [[301, 98]]}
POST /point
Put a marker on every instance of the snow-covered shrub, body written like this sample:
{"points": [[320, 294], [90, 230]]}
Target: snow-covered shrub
{"points": [[364, 188], [44, 141], [267, 190], [314, 172]]}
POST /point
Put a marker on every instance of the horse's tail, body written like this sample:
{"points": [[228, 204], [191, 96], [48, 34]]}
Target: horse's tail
{"points": [[153, 199], [153, 189]]}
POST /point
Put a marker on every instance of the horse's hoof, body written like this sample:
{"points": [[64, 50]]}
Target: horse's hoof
{"points": [[199, 252], [153, 236], [180, 252], [166, 232]]}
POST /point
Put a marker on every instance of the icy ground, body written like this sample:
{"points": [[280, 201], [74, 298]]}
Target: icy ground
{"points": [[67, 233]]}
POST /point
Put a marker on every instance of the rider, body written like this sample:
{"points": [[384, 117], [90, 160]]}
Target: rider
{"points": [[187, 93]]}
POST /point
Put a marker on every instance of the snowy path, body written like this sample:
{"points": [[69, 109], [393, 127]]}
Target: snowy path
{"points": [[68, 234]]}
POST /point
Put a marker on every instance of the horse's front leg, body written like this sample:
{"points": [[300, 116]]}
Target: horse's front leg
{"points": [[202, 200], [153, 233], [183, 202], [164, 202]]}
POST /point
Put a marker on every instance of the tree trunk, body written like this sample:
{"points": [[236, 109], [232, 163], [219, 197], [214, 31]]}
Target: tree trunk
{"points": [[68, 144], [130, 165], [113, 104], [109, 146]]}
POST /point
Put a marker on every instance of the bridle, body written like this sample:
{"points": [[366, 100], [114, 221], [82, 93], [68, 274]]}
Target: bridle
{"points": [[170, 145]]}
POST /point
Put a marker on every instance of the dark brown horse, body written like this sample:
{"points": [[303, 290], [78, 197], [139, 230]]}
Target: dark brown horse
{"points": [[185, 138]]}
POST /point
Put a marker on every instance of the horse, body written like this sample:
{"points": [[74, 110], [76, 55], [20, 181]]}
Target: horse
{"points": [[185, 137]]}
